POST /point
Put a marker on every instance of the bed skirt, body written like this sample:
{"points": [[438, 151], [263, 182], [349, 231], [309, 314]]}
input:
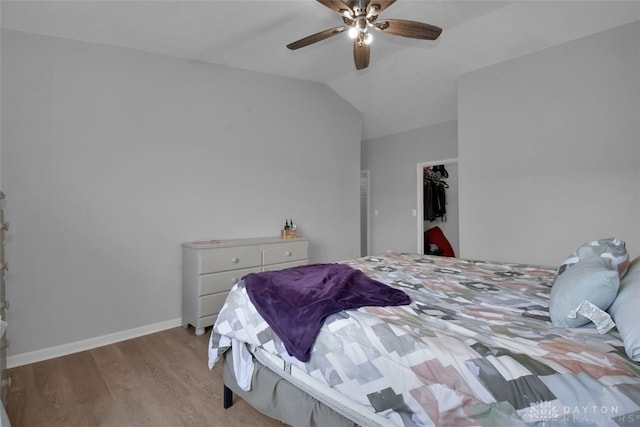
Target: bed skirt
{"points": [[277, 398]]}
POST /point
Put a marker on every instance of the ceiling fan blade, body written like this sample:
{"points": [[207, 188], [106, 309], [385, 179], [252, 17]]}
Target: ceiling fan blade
{"points": [[315, 38], [361, 54], [411, 29], [337, 6], [376, 7]]}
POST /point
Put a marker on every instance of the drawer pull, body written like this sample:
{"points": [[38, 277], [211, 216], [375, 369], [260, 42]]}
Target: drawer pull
{"points": [[234, 260], [288, 253]]}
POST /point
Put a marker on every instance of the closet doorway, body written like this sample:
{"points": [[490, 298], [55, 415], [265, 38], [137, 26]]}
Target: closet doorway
{"points": [[449, 224]]}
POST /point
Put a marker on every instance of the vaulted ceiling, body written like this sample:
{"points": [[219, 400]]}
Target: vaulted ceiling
{"points": [[409, 83]]}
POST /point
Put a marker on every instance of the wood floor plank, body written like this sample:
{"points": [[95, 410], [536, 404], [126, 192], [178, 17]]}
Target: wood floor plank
{"points": [[52, 391], [85, 380], [156, 380], [121, 375]]}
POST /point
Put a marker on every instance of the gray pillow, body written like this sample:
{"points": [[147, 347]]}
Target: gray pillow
{"points": [[626, 310], [588, 287]]}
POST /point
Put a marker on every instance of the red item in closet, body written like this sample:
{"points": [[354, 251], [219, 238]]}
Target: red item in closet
{"points": [[436, 236]]}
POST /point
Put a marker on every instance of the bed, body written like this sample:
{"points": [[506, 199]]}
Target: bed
{"points": [[475, 346]]}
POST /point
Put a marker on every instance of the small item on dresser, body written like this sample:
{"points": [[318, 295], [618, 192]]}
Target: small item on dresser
{"points": [[289, 230]]}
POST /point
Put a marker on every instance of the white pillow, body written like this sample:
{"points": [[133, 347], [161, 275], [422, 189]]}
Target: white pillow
{"points": [[625, 310]]}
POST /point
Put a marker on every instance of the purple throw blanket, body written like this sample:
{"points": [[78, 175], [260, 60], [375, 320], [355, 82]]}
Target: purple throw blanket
{"points": [[295, 301]]}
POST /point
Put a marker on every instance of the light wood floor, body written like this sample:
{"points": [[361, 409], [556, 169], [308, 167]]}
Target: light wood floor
{"points": [[157, 380]]}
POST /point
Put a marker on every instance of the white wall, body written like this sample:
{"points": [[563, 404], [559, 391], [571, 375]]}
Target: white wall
{"points": [[549, 150], [393, 162], [112, 157]]}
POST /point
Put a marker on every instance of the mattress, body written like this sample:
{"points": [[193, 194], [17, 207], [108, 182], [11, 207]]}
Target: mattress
{"points": [[474, 347]]}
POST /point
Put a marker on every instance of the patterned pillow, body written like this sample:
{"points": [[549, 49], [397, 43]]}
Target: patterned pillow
{"points": [[625, 310], [583, 292], [613, 248]]}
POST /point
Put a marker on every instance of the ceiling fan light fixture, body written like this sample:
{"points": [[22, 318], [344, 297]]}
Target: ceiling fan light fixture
{"points": [[358, 16]]}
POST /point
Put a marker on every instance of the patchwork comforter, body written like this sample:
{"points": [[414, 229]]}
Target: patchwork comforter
{"points": [[474, 347]]}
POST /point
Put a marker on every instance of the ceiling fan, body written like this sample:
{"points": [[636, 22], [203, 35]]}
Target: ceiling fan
{"points": [[361, 15]]}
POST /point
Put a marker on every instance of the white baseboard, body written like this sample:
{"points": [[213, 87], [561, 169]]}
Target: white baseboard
{"points": [[88, 344]]}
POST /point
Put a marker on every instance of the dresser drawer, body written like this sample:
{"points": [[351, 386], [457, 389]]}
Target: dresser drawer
{"points": [[211, 304], [283, 265], [224, 259], [220, 282], [284, 252]]}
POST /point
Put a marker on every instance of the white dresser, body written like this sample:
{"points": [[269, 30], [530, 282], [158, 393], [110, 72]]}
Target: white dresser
{"points": [[210, 270], [5, 381]]}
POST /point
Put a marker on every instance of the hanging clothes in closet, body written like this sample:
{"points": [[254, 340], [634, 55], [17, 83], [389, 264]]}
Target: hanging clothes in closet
{"points": [[435, 193]]}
